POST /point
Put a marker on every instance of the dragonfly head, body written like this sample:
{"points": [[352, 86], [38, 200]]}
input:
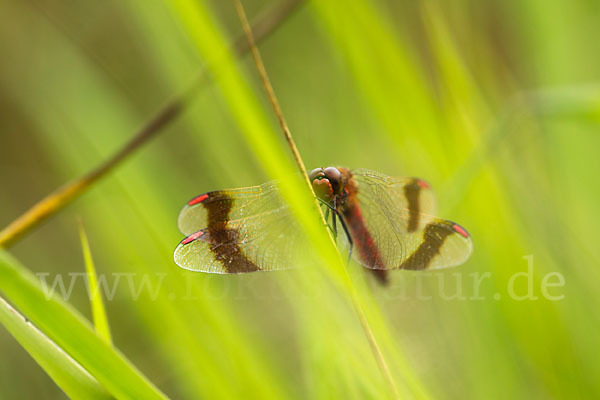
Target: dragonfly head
{"points": [[327, 182]]}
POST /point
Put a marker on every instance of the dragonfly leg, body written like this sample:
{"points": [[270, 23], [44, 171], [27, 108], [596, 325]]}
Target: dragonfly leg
{"points": [[327, 221], [333, 211], [326, 204], [334, 215], [350, 242]]}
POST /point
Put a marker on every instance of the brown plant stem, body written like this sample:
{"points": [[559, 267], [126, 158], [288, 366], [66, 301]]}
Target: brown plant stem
{"points": [[381, 362], [65, 194]]}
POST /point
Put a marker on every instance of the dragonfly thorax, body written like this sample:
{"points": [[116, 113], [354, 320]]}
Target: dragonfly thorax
{"points": [[327, 183]]}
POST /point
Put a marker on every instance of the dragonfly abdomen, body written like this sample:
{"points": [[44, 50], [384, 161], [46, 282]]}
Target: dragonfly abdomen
{"points": [[364, 242]]}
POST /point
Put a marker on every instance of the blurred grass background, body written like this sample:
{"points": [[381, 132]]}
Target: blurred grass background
{"points": [[496, 104]]}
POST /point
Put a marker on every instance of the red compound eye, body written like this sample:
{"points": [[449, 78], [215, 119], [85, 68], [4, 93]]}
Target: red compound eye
{"points": [[333, 174]]}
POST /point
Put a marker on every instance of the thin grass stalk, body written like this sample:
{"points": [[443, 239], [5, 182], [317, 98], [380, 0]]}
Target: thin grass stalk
{"points": [[298, 158]]}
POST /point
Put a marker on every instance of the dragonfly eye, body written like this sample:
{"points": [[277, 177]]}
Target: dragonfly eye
{"points": [[332, 173], [335, 178], [314, 174]]}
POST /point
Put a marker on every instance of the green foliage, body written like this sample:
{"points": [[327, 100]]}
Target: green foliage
{"points": [[72, 333], [66, 372]]}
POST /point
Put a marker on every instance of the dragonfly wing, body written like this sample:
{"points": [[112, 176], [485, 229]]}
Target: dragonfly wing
{"points": [[392, 225], [236, 231], [235, 203], [413, 195]]}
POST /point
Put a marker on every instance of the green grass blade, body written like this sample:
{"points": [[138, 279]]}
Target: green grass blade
{"points": [[98, 310], [262, 138], [75, 381], [73, 333]]}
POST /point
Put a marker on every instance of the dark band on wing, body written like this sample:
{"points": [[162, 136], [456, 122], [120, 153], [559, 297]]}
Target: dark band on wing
{"points": [[434, 237], [412, 192], [225, 247], [223, 240]]}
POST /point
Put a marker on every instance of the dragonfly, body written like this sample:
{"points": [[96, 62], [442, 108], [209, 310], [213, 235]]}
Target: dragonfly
{"points": [[388, 224]]}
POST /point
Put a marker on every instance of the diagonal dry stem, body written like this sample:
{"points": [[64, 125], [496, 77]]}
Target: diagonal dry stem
{"points": [[59, 198], [381, 362]]}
